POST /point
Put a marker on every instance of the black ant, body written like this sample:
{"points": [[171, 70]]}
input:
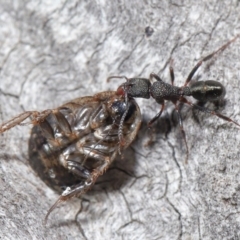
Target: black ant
{"points": [[203, 91]]}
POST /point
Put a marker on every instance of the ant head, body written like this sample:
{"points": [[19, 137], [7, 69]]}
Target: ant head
{"points": [[135, 88]]}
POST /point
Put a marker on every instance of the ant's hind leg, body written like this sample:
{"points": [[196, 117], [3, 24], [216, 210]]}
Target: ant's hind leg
{"points": [[189, 78], [206, 110]]}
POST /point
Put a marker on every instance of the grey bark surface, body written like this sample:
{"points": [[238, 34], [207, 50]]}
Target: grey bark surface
{"points": [[54, 51]]}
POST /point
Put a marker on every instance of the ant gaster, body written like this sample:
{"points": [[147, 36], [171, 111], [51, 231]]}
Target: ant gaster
{"points": [[204, 91]]}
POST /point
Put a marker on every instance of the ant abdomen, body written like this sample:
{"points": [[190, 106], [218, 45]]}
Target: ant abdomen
{"points": [[209, 90]]}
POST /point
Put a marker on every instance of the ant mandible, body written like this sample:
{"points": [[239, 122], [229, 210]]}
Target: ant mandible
{"points": [[204, 91]]}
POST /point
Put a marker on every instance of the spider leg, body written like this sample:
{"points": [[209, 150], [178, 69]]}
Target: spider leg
{"points": [[36, 117], [83, 186]]}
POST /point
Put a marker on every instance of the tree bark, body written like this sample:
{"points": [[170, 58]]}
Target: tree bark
{"points": [[53, 51]]}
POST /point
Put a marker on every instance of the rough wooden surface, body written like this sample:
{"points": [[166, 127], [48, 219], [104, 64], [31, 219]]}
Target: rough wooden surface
{"points": [[53, 51]]}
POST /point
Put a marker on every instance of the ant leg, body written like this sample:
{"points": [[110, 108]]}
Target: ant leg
{"points": [[189, 78], [82, 187], [206, 110], [182, 130], [150, 140], [36, 117], [171, 72], [157, 116], [153, 75]]}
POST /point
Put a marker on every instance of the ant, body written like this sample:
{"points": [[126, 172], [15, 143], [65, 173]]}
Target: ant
{"points": [[203, 91]]}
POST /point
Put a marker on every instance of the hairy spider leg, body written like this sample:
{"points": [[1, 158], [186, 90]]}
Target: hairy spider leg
{"points": [[80, 188], [36, 118]]}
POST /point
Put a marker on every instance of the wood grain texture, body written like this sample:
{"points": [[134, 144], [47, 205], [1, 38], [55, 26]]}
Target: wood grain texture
{"points": [[55, 51]]}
